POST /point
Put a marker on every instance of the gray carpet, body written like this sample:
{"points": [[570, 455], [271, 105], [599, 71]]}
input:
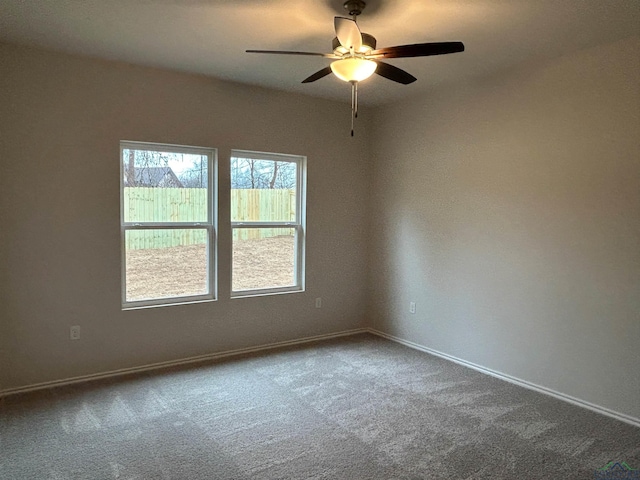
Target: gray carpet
{"points": [[353, 408]]}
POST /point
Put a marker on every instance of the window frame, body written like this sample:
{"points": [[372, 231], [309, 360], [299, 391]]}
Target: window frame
{"points": [[299, 225], [210, 225]]}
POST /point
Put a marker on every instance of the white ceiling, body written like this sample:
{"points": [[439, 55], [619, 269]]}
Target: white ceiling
{"points": [[210, 36]]}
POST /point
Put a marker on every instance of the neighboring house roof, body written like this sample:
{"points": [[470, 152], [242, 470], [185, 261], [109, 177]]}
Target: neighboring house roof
{"points": [[155, 177]]}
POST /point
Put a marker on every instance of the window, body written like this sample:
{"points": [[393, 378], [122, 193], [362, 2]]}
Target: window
{"points": [[267, 223], [168, 224]]}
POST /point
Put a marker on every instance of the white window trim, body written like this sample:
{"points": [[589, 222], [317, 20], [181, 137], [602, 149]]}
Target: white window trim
{"points": [[299, 224], [210, 225]]}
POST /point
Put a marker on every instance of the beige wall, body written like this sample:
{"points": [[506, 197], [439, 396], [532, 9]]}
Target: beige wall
{"points": [[61, 121], [509, 211]]}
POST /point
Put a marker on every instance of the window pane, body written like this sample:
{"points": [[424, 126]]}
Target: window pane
{"points": [[163, 263], [263, 258], [263, 190], [164, 186]]}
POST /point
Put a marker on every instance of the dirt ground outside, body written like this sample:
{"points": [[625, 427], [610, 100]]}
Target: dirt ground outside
{"points": [[179, 271]]}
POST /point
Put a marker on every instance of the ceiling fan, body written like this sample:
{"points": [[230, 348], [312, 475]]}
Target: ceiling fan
{"points": [[355, 57]]}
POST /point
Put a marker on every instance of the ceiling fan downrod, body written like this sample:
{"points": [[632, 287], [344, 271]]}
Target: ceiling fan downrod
{"points": [[354, 7]]}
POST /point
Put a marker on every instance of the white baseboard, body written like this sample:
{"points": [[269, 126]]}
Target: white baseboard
{"points": [[173, 363], [240, 351], [517, 381]]}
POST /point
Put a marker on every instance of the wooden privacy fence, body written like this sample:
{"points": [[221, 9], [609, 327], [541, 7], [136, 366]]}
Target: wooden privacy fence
{"points": [[144, 239], [262, 205], [143, 204]]}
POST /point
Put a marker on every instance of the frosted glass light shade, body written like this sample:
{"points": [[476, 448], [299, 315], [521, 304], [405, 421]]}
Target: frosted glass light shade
{"points": [[353, 69]]}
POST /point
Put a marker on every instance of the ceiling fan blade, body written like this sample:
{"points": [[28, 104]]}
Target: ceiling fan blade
{"points": [[394, 73], [285, 52], [419, 50], [348, 33], [318, 75]]}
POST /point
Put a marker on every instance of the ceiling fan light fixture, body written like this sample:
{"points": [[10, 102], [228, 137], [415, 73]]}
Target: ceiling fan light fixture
{"points": [[353, 69]]}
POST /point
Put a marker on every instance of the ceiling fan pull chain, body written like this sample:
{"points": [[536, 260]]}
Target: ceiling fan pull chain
{"points": [[353, 105], [356, 99]]}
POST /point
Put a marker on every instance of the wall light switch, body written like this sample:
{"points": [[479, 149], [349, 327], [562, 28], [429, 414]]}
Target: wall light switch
{"points": [[412, 307]]}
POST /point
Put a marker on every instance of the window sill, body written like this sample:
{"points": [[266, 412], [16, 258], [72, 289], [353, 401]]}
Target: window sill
{"points": [[263, 293], [169, 304]]}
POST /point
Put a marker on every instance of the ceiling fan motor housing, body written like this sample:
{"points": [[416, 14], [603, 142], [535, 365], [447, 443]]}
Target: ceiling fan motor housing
{"points": [[354, 7], [367, 40]]}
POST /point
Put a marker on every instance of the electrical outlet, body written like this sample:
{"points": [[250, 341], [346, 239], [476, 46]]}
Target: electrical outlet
{"points": [[412, 307], [74, 332], [318, 302]]}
